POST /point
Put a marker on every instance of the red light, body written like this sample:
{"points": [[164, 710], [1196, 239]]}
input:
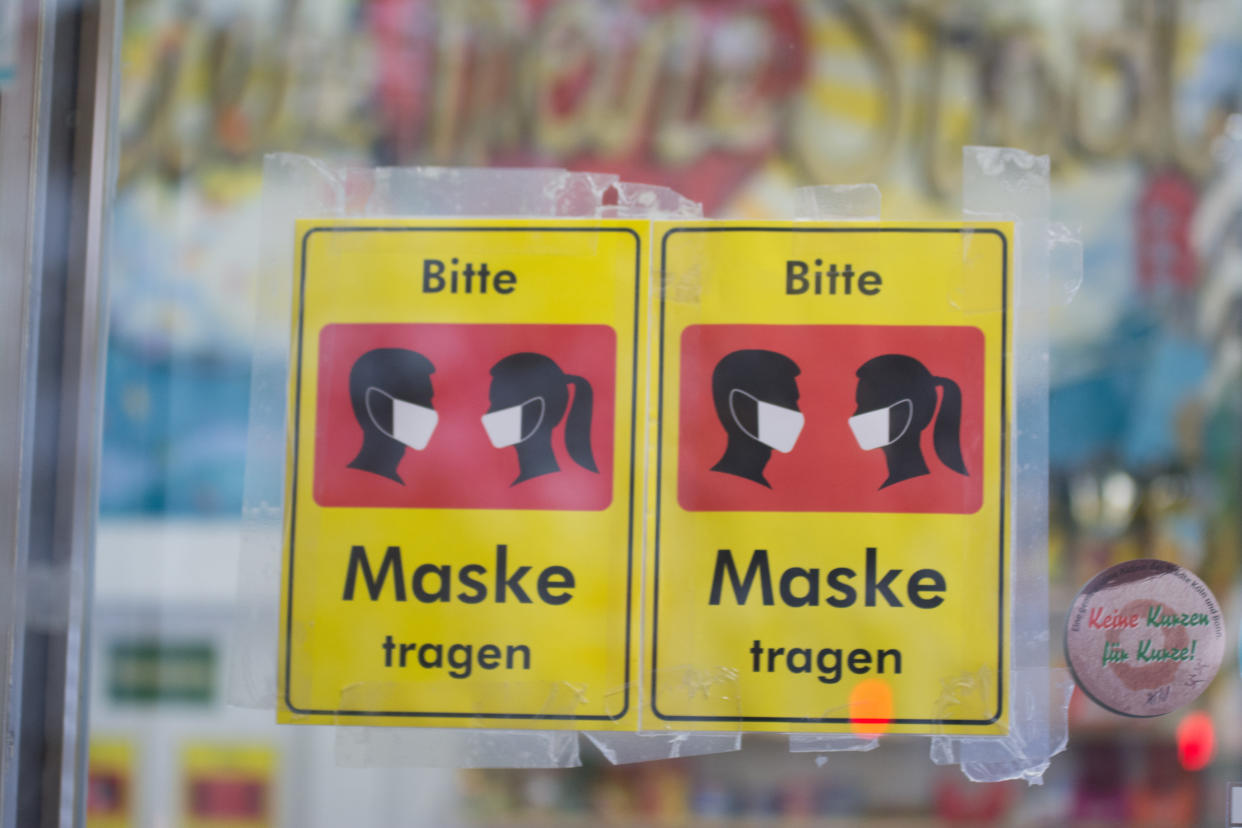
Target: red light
{"points": [[1196, 741], [871, 707]]}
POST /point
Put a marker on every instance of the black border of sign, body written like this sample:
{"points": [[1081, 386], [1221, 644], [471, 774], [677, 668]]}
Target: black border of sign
{"points": [[655, 602], [293, 499]]}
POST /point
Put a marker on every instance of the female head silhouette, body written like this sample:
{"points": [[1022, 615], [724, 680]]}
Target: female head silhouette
{"points": [[390, 390], [896, 399], [756, 398], [529, 395]]}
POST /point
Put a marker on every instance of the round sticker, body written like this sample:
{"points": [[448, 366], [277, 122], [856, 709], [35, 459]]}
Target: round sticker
{"points": [[1144, 637]]}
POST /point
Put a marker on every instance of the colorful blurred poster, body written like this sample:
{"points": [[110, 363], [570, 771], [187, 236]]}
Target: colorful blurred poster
{"points": [[734, 104], [228, 785], [110, 793], [8, 41]]}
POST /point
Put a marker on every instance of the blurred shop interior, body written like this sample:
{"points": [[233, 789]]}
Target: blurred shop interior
{"points": [[734, 104]]}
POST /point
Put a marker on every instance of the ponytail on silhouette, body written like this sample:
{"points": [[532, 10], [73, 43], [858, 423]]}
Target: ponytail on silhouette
{"points": [[578, 423], [529, 397], [897, 402], [946, 436]]}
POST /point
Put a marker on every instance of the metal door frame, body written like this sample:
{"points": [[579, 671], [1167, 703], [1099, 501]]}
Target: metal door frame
{"points": [[56, 170]]}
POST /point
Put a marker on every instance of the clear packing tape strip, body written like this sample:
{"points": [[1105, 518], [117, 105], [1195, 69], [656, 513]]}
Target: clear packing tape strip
{"points": [[998, 184]]}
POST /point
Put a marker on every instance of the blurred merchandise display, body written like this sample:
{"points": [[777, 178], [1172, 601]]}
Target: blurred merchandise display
{"points": [[110, 783], [8, 40], [228, 785], [730, 104]]}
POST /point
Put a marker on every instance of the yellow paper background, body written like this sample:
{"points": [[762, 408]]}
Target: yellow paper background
{"points": [[953, 654], [569, 272]]}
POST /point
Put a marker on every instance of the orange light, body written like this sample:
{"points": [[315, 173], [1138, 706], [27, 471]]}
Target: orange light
{"points": [[871, 707], [1196, 741]]}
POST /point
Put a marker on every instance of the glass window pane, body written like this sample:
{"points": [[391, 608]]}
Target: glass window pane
{"points": [[733, 105]]}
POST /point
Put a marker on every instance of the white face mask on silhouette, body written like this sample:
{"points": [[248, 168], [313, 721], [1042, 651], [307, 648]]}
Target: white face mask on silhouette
{"points": [[874, 429], [504, 427], [412, 424], [779, 427]]}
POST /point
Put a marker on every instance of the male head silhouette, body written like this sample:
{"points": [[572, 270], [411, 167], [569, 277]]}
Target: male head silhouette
{"points": [[390, 390], [756, 397], [896, 399], [529, 394]]}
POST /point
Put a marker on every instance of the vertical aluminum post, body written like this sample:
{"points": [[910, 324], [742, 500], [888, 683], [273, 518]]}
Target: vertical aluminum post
{"points": [[55, 166]]}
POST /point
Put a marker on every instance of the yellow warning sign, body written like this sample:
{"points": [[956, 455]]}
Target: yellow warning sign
{"points": [[228, 785], [460, 545], [830, 477], [110, 792]]}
